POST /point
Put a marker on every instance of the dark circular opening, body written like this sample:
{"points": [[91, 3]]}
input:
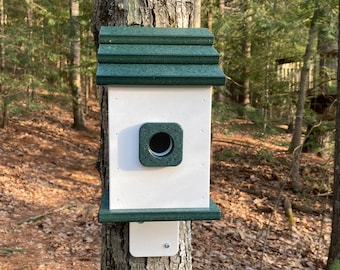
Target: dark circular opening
{"points": [[160, 144]]}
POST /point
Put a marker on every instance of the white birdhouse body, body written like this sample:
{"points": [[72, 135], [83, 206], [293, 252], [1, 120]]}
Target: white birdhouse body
{"points": [[134, 186]]}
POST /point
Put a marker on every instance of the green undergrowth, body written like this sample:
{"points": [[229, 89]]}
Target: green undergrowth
{"points": [[251, 120], [335, 265]]}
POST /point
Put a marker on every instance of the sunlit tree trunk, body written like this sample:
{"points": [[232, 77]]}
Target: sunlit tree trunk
{"points": [[246, 49], [209, 14], [30, 92], [75, 78], [148, 13], [296, 146], [218, 93], [3, 94]]}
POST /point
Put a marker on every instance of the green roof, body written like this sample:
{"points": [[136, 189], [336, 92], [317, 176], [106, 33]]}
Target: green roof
{"points": [[157, 56], [152, 35]]}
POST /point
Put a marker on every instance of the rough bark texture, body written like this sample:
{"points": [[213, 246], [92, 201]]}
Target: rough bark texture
{"points": [[160, 13], [334, 249]]}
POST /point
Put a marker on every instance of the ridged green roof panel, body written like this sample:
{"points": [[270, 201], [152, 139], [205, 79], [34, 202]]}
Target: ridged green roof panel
{"points": [[154, 35], [157, 56], [151, 54], [159, 74]]}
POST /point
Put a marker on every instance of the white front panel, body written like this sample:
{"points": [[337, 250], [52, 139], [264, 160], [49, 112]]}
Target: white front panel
{"points": [[154, 239], [134, 186]]}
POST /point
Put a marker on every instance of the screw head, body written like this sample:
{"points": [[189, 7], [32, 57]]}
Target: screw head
{"points": [[120, 6], [166, 245]]}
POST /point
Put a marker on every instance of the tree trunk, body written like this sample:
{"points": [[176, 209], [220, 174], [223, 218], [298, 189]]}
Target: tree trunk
{"points": [[170, 13], [327, 50], [246, 50], [334, 249], [30, 92], [322, 100], [75, 78], [5, 116], [3, 94], [296, 147]]}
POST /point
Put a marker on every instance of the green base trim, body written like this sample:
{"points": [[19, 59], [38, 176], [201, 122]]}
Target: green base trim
{"points": [[140, 215]]}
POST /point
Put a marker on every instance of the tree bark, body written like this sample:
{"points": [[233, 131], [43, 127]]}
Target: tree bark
{"points": [[296, 147], [334, 249], [246, 50], [75, 78], [169, 13], [3, 94], [30, 92]]}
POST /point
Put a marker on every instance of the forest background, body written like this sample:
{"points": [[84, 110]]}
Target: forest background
{"points": [[49, 46], [262, 46]]}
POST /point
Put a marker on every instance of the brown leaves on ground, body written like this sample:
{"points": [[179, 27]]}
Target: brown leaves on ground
{"points": [[255, 233], [50, 194]]}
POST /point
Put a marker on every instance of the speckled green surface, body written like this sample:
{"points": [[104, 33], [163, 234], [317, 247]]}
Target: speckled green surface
{"points": [[151, 35], [156, 74], [107, 215], [157, 56], [174, 157]]}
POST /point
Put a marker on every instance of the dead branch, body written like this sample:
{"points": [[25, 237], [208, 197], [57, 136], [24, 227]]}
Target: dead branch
{"points": [[268, 225], [302, 208], [287, 205], [41, 216], [7, 251]]}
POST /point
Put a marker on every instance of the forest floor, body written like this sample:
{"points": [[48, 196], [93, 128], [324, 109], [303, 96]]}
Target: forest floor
{"points": [[50, 194]]}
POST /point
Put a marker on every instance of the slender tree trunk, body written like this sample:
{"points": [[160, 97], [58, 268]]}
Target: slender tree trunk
{"points": [[219, 93], [334, 249], [5, 116], [75, 78], [317, 138], [246, 48], [3, 94], [196, 17], [327, 47], [296, 146], [210, 15], [169, 13], [30, 92]]}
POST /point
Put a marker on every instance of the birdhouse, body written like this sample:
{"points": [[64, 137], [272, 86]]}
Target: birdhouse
{"points": [[159, 83]]}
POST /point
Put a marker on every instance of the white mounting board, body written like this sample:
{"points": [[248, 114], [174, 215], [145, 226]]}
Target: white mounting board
{"points": [[154, 239], [134, 186]]}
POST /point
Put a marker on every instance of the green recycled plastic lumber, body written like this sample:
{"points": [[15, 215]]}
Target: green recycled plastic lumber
{"points": [[159, 74], [155, 35], [174, 142], [157, 54], [140, 215]]}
